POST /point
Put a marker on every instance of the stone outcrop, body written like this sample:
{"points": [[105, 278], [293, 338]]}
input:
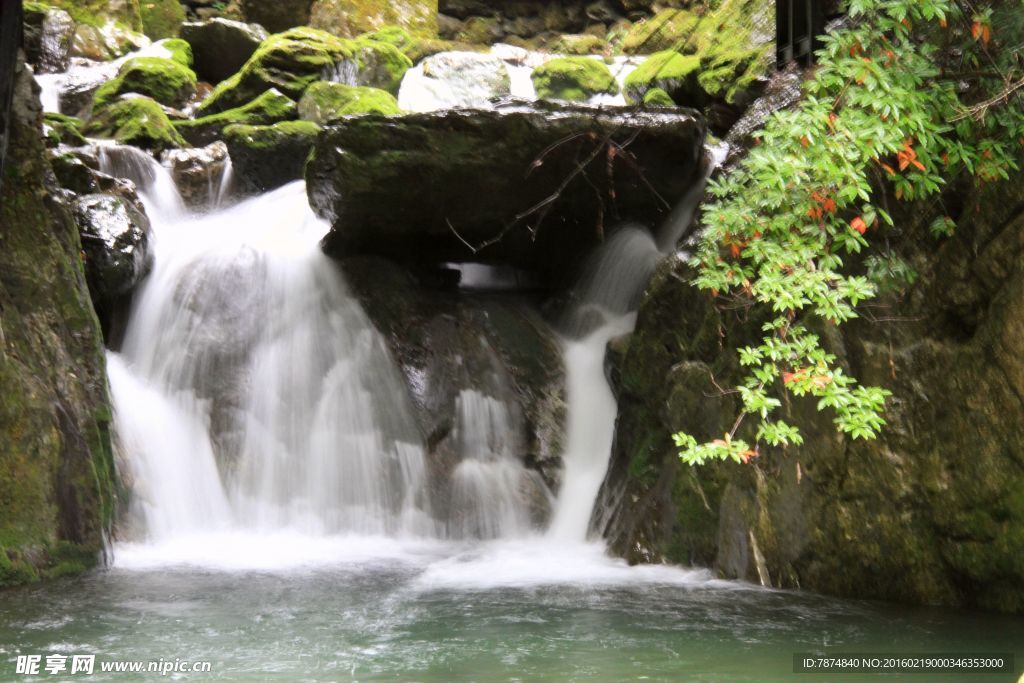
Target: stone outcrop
{"points": [[56, 465], [447, 340], [498, 186], [930, 513], [221, 46]]}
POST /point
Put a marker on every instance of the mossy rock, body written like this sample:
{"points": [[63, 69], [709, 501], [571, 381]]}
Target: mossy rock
{"points": [[289, 61], [266, 157], [656, 97], [180, 51], [270, 107], [161, 18], [579, 44], [351, 18], [63, 130], [670, 71], [97, 13], [573, 78], [669, 29], [326, 102], [109, 41], [137, 121], [164, 80], [378, 64]]}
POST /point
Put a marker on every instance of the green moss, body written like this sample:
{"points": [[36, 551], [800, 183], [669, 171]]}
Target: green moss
{"points": [[61, 129], [573, 78], [98, 12], [165, 80], [350, 18], [380, 64], [325, 102], [14, 570], [289, 61], [670, 29], [656, 97], [161, 18], [180, 50], [268, 137], [137, 121], [270, 107], [667, 70], [67, 558]]}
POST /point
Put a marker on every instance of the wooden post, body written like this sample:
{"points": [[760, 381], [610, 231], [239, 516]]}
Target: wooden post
{"points": [[10, 41]]}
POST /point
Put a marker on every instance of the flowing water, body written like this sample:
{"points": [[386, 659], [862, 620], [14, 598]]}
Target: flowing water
{"points": [[280, 520]]}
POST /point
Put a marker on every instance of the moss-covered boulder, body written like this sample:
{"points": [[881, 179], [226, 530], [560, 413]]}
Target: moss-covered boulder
{"points": [[669, 29], [367, 176], [573, 78], [289, 61], [326, 102], [161, 18], [265, 157], [352, 17], [57, 487], [62, 130], [137, 121], [270, 107], [222, 46], [164, 80]]}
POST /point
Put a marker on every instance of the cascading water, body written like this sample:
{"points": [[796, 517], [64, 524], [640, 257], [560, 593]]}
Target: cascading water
{"points": [[251, 390]]}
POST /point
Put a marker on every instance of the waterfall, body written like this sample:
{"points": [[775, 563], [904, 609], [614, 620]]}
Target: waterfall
{"points": [[607, 293], [251, 391]]}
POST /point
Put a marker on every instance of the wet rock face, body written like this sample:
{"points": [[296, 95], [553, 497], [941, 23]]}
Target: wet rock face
{"points": [[267, 157], [115, 241], [421, 188], [198, 172], [56, 466], [929, 513], [449, 340], [221, 46], [459, 79], [48, 35]]}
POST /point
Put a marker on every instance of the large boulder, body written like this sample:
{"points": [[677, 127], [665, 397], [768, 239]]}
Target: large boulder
{"points": [[348, 18], [520, 185], [278, 15], [929, 513], [57, 481], [266, 157], [48, 35], [289, 61], [115, 242], [165, 80], [455, 79], [222, 46]]}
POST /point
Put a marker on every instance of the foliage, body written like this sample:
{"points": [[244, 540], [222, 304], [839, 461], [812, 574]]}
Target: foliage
{"points": [[912, 93]]}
